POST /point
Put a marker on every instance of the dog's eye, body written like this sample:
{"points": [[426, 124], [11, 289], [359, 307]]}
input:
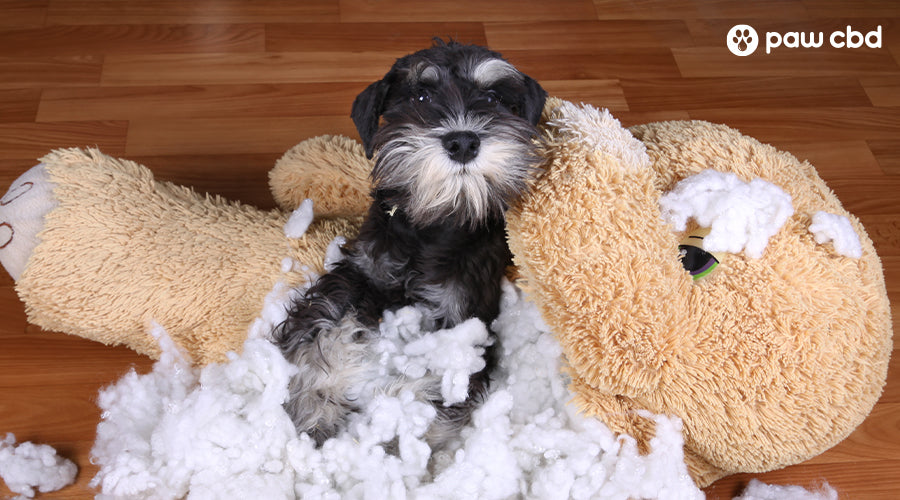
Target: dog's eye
{"points": [[492, 97], [422, 96]]}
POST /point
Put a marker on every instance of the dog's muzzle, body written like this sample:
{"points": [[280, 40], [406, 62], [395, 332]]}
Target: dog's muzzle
{"points": [[461, 146]]}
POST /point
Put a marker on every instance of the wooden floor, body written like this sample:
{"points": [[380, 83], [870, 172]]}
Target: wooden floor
{"points": [[210, 92]]}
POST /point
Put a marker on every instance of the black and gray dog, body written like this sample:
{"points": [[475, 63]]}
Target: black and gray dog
{"points": [[452, 129]]}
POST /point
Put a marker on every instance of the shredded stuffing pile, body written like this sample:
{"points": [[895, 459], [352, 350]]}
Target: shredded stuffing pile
{"points": [[220, 432]]}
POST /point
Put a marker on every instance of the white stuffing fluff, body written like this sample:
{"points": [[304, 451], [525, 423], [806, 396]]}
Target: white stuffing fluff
{"points": [[333, 253], [741, 215], [757, 490], [220, 431], [838, 230], [299, 220], [29, 466]]}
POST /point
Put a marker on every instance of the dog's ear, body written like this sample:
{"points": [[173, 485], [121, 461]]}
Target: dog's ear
{"points": [[366, 112], [533, 100]]}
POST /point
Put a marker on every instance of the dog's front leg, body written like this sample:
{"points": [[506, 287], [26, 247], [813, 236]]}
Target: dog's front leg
{"points": [[329, 345]]}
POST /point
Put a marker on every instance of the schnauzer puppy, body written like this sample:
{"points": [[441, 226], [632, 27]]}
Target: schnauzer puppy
{"points": [[452, 130]]}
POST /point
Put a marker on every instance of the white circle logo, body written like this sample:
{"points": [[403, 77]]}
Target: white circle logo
{"points": [[742, 40]]}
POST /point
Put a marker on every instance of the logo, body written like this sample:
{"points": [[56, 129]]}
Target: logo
{"points": [[742, 40]]}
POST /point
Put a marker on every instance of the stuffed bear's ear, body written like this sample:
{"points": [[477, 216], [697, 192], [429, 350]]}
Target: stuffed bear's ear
{"points": [[533, 100], [366, 113]]}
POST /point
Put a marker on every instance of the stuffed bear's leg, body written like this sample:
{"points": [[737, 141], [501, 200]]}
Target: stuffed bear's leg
{"points": [[22, 212]]}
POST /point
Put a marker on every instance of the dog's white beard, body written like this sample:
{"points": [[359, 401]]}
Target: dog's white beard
{"points": [[441, 188]]}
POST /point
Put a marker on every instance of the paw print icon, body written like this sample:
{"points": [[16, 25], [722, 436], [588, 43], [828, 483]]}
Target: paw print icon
{"points": [[742, 40]]}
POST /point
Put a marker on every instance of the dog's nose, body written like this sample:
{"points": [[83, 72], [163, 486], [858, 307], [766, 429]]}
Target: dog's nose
{"points": [[461, 146]]}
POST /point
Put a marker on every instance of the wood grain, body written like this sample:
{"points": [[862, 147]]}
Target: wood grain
{"points": [[210, 93], [49, 71], [882, 90], [196, 101], [133, 39], [397, 38], [268, 67], [113, 12]]}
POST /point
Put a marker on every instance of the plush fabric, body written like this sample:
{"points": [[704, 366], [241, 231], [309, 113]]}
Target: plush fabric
{"points": [[769, 361], [774, 356], [121, 251]]}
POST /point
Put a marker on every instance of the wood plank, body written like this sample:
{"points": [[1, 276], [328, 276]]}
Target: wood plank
{"points": [[249, 135], [464, 10], [719, 62], [882, 90], [699, 9], [600, 93], [776, 92], [29, 141], [398, 38], [887, 152], [867, 443], [867, 195], [587, 35], [240, 177], [66, 410], [19, 105], [852, 480], [23, 13], [39, 72], [808, 125], [891, 264], [857, 8], [629, 118], [884, 230], [82, 12], [14, 322], [891, 394], [602, 64], [132, 39], [68, 360], [282, 67], [833, 159], [198, 101]]}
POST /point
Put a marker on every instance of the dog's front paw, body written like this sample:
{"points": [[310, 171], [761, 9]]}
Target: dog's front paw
{"points": [[22, 212]]}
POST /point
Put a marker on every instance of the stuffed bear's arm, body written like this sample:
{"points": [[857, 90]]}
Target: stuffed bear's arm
{"points": [[598, 260]]}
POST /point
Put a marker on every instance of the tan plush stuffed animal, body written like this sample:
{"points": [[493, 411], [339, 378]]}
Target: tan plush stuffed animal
{"points": [[774, 354], [773, 357], [101, 250]]}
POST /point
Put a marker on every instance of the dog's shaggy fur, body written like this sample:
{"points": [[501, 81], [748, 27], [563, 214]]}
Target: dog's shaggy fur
{"points": [[453, 132]]}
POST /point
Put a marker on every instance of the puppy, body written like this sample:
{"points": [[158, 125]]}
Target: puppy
{"points": [[452, 130]]}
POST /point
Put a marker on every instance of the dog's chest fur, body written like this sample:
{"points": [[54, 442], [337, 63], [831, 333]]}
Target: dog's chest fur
{"points": [[449, 272]]}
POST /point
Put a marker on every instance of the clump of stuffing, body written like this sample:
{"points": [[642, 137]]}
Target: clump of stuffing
{"points": [[838, 230], [299, 220], [333, 253], [29, 466], [220, 431], [742, 216], [757, 490]]}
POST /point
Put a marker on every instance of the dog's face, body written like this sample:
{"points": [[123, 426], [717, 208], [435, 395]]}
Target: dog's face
{"points": [[452, 128]]}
